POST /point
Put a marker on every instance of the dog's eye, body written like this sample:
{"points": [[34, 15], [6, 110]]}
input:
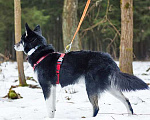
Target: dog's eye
{"points": [[22, 42], [26, 34], [32, 40], [35, 39]]}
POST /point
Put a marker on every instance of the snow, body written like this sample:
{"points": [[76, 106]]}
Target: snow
{"points": [[72, 101]]}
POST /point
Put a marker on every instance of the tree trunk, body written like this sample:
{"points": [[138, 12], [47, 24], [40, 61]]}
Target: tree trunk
{"points": [[126, 45], [19, 55], [70, 23]]}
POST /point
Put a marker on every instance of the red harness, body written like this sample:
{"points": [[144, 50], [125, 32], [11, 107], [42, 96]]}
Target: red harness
{"points": [[59, 62]]}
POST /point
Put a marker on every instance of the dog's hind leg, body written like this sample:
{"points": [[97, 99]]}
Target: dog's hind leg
{"points": [[118, 94], [92, 93], [94, 101]]}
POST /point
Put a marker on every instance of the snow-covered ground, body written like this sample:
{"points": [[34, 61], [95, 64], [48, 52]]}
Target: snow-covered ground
{"points": [[72, 101]]}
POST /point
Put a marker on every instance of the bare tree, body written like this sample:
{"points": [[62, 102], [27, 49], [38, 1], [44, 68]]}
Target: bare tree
{"points": [[126, 45], [19, 55], [70, 23]]}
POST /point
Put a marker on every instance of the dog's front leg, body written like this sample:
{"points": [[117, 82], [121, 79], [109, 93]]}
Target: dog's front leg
{"points": [[50, 98], [51, 102]]}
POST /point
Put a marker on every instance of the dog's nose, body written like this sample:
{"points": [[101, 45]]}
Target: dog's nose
{"points": [[15, 47]]}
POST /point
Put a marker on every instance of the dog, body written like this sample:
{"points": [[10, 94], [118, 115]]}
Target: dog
{"points": [[100, 71]]}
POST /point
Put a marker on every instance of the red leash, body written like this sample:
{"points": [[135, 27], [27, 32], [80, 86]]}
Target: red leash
{"points": [[59, 62]]}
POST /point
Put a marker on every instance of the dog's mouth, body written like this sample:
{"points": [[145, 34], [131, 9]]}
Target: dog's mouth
{"points": [[19, 47]]}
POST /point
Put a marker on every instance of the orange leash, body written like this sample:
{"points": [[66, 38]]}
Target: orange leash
{"points": [[68, 47]]}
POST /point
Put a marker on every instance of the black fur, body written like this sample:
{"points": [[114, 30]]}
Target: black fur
{"points": [[99, 69], [126, 82]]}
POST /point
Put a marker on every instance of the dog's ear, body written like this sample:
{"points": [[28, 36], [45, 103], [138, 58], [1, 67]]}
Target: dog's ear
{"points": [[27, 30], [38, 29]]}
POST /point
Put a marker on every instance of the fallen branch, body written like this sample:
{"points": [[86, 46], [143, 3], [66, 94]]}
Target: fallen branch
{"points": [[148, 83], [12, 93], [3, 56], [125, 114], [148, 70], [34, 86]]}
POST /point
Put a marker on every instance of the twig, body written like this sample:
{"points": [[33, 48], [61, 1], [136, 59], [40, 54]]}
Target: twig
{"points": [[93, 26], [113, 26], [105, 19], [111, 41], [113, 117], [107, 9], [34, 86], [5, 58], [148, 70], [124, 113]]}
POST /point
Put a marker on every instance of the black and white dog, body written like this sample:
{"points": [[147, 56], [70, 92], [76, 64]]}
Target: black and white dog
{"points": [[99, 70]]}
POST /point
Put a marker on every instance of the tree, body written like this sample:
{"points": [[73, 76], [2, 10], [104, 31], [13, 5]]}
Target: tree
{"points": [[141, 29], [102, 37], [19, 55], [70, 23], [126, 45]]}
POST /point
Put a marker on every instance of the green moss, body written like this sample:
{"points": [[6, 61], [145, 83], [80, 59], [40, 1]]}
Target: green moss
{"points": [[29, 78], [120, 2], [127, 5], [12, 94], [129, 49], [23, 85]]}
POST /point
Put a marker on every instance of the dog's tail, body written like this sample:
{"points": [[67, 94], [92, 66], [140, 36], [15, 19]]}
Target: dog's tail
{"points": [[126, 82]]}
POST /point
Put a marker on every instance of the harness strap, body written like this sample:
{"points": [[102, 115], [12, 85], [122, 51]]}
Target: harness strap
{"points": [[42, 58], [59, 62]]}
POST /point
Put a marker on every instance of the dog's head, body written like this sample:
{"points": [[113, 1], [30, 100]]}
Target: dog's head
{"points": [[31, 39]]}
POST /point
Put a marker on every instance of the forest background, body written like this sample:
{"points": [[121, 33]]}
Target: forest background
{"points": [[96, 32]]}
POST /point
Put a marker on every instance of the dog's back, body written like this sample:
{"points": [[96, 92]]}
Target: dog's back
{"points": [[100, 71], [95, 66]]}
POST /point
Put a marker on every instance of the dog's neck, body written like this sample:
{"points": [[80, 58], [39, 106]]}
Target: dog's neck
{"points": [[38, 52], [32, 50]]}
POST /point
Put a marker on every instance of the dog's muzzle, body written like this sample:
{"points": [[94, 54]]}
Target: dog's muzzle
{"points": [[19, 47]]}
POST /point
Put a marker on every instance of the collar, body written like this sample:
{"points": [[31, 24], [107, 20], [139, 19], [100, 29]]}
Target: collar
{"points": [[32, 50]]}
